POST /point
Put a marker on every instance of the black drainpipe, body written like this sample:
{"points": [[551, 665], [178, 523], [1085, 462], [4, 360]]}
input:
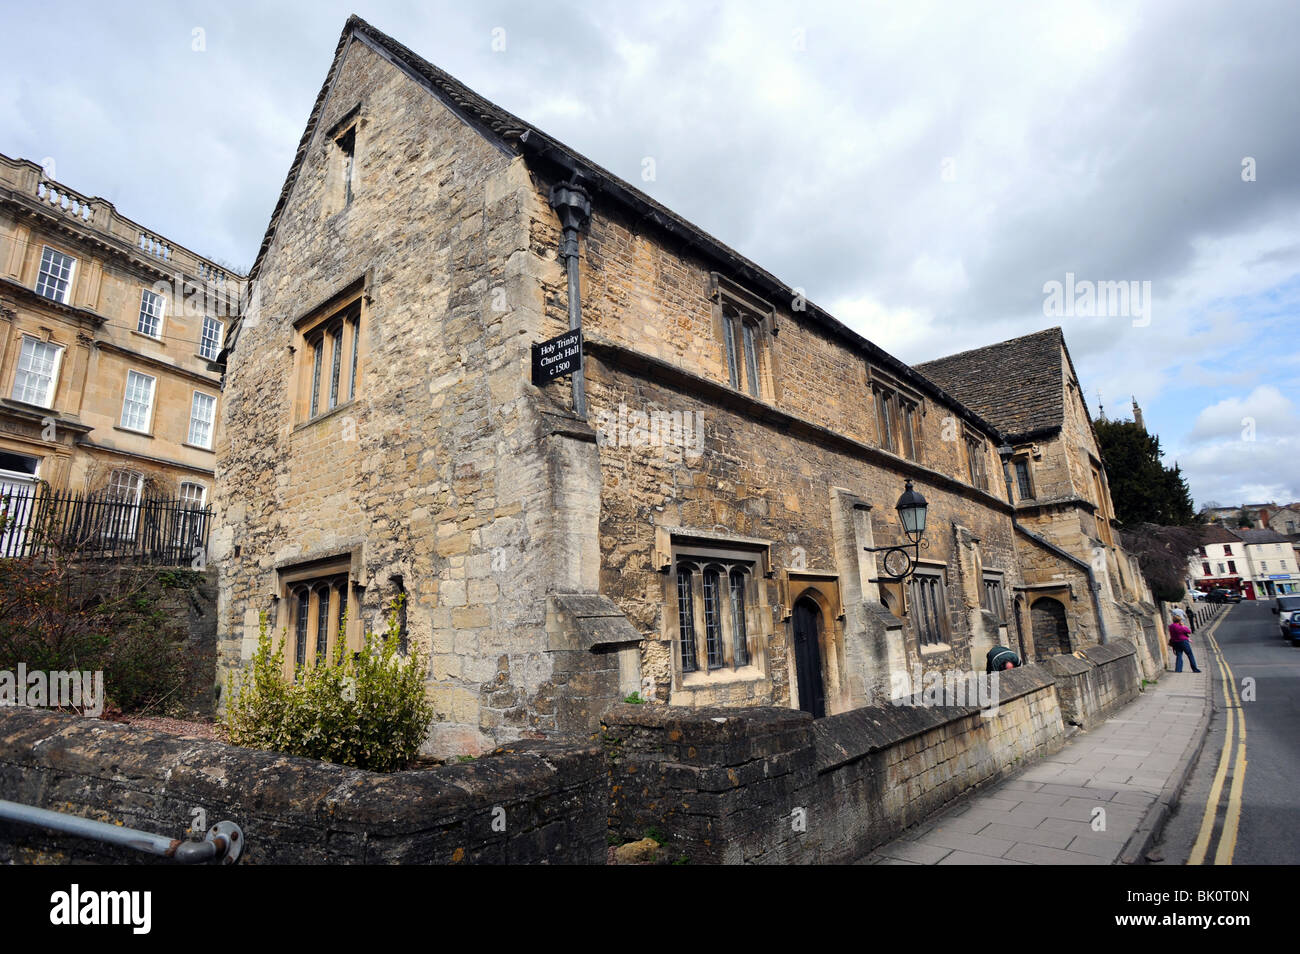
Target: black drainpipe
{"points": [[572, 202], [1094, 588]]}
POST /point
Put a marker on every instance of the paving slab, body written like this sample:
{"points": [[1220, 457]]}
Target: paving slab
{"points": [[970, 858], [1043, 814]]}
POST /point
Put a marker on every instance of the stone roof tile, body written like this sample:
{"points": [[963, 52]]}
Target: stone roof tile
{"points": [[1016, 385]]}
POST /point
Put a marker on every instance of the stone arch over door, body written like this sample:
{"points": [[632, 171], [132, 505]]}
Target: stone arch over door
{"points": [[822, 591], [1049, 626]]}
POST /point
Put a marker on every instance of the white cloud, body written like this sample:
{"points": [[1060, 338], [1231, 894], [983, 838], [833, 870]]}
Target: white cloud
{"points": [[1263, 415]]}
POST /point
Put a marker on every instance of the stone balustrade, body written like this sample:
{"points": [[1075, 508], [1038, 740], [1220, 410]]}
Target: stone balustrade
{"points": [[28, 180]]}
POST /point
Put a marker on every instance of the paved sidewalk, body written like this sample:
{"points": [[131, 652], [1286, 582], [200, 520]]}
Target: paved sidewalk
{"points": [[1131, 768]]}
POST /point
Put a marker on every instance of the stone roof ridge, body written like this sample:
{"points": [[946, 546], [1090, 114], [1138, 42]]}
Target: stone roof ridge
{"points": [[1055, 332]]}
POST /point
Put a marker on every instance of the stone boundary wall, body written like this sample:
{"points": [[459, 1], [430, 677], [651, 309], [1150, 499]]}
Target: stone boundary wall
{"points": [[1091, 688], [771, 785], [722, 785], [294, 810]]}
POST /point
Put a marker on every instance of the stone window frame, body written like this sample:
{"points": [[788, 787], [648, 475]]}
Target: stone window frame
{"points": [[151, 406], [1102, 490], [927, 606], [745, 325], [340, 144], [50, 281], [993, 595], [217, 340], [332, 577], [153, 308], [55, 368], [1020, 466], [732, 560], [211, 423], [977, 469], [329, 353], [899, 410]]}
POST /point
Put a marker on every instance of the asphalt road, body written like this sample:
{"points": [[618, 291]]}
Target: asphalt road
{"points": [[1254, 816]]}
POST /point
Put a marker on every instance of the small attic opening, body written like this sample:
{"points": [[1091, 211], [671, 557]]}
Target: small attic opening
{"points": [[347, 145]]}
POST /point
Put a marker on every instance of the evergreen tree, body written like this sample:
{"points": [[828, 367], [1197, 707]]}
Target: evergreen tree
{"points": [[1143, 489]]}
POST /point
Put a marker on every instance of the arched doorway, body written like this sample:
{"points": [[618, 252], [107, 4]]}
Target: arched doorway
{"points": [[1047, 622], [808, 656]]}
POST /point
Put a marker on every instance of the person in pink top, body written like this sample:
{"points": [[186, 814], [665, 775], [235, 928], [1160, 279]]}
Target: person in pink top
{"points": [[1180, 639]]}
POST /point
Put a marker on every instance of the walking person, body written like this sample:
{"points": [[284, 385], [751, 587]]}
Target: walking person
{"points": [[1180, 640]]}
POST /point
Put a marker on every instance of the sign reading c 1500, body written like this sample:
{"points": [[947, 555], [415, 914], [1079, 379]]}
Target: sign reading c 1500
{"points": [[557, 357]]}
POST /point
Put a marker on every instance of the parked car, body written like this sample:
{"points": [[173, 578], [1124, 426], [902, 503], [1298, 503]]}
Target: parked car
{"points": [[1221, 594], [1292, 631], [1287, 609], [1197, 595]]}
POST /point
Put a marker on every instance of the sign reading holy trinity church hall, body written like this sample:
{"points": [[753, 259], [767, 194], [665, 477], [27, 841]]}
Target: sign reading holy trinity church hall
{"points": [[557, 357]]}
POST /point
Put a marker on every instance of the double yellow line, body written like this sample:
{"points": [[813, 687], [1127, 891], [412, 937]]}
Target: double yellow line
{"points": [[1237, 729]]}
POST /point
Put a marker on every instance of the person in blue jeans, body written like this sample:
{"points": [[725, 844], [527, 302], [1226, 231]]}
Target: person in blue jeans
{"points": [[1181, 643]]}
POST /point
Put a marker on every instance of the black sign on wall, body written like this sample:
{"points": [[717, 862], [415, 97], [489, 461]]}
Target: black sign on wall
{"points": [[557, 357]]}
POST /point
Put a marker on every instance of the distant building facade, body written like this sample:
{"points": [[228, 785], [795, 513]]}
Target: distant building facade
{"points": [[1220, 561], [1260, 564], [108, 332], [1285, 520], [1270, 562], [705, 535]]}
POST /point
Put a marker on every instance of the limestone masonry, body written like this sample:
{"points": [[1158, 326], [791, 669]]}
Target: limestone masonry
{"points": [[698, 538]]}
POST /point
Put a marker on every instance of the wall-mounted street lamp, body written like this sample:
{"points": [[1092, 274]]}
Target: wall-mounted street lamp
{"points": [[897, 562]]}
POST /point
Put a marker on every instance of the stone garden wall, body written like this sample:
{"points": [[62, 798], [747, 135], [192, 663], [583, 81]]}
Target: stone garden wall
{"points": [[526, 803]]}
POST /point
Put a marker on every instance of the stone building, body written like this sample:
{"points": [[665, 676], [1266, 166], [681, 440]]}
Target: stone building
{"points": [[108, 332], [1029, 389], [1285, 520], [698, 536]]}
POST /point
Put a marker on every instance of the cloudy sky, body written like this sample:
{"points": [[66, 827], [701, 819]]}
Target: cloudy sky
{"points": [[923, 171]]}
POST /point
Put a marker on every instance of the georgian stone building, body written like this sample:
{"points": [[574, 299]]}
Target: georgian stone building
{"points": [[699, 536], [108, 332]]}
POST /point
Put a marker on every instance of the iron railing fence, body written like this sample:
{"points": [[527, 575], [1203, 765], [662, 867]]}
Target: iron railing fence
{"points": [[36, 521]]}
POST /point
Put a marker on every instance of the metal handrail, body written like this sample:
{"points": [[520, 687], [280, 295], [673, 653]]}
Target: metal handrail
{"points": [[223, 842]]}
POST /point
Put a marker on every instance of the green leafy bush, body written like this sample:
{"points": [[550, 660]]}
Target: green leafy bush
{"points": [[366, 709]]}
